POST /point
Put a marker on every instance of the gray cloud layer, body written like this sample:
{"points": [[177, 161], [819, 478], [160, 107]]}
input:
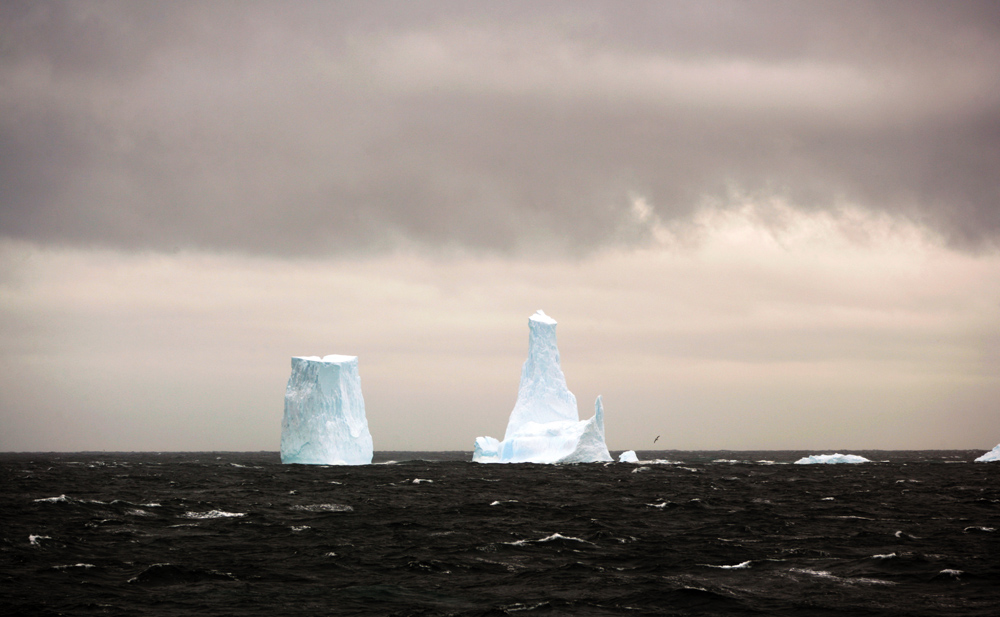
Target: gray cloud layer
{"points": [[329, 127]]}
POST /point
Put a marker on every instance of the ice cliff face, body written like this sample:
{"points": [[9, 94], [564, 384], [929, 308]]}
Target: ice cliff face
{"points": [[544, 426], [324, 421]]}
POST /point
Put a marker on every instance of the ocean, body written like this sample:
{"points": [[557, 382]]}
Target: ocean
{"points": [[430, 533]]}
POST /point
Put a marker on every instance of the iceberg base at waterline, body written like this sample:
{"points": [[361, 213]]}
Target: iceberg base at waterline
{"points": [[831, 459], [561, 441], [990, 457], [324, 421]]}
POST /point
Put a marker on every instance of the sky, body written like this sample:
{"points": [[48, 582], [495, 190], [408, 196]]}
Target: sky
{"points": [[760, 225]]}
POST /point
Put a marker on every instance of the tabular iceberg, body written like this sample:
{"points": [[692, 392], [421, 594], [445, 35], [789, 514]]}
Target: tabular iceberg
{"points": [[324, 421], [545, 426], [991, 456], [830, 459]]}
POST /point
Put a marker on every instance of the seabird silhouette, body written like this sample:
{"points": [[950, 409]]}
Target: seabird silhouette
{"points": [[657, 437]]}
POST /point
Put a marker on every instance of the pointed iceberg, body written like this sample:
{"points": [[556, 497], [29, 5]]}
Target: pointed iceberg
{"points": [[545, 426], [324, 421]]}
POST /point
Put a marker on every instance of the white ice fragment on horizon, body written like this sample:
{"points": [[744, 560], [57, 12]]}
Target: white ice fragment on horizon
{"points": [[324, 421], [545, 426], [991, 456], [831, 459], [628, 456]]}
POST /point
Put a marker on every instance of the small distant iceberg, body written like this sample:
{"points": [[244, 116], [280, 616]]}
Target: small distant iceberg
{"points": [[991, 456], [831, 459], [628, 456]]}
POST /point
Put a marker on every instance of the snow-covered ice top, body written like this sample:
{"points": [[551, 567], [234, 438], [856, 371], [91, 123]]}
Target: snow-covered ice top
{"points": [[545, 426], [324, 421], [830, 459], [991, 456]]}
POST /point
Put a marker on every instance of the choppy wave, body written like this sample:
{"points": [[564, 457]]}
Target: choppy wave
{"points": [[222, 534]]}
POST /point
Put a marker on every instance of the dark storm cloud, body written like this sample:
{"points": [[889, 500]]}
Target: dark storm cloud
{"points": [[292, 128]]}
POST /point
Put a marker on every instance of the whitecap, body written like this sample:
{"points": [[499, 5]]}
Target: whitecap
{"points": [[551, 538], [951, 572], [839, 579], [213, 514], [85, 566], [422, 480], [323, 507], [887, 556], [498, 502], [34, 540], [740, 566], [986, 529], [638, 469], [59, 499], [300, 527]]}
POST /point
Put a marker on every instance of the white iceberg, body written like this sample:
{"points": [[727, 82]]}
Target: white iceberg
{"points": [[324, 421], [831, 459], [628, 456], [991, 456], [545, 426]]}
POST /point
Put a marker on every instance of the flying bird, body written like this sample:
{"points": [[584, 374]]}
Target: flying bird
{"points": [[657, 437]]}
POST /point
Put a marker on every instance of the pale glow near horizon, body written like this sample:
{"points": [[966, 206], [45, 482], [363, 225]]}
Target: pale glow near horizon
{"points": [[756, 328]]}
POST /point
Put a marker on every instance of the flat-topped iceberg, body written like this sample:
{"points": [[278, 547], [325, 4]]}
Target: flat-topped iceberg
{"points": [[831, 459], [545, 426], [991, 456], [324, 421]]}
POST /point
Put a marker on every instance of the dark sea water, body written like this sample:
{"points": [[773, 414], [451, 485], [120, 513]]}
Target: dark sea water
{"points": [[713, 533]]}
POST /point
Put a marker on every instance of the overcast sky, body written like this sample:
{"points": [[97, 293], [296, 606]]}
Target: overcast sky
{"points": [[760, 224]]}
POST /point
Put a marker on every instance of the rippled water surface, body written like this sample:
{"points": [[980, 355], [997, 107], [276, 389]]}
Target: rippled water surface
{"points": [[698, 533]]}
